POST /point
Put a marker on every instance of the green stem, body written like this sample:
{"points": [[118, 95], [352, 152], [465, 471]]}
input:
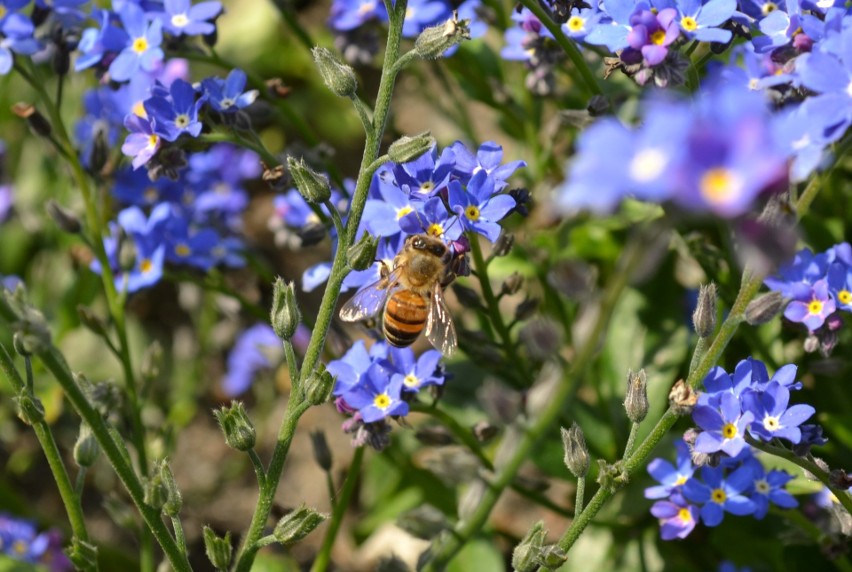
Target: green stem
{"points": [[631, 439], [258, 467], [70, 498], [491, 303], [447, 547], [581, 493], [748, 289], [698, 353], [843, 496], [462, 434], [180, 538], [574, 54], [324, 557]]}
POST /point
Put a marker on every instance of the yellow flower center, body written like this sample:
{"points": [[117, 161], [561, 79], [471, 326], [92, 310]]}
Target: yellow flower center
{"points": [[427, 187], [688, 23], [719, 185], [576, 24], [647, 165], [658, 37], [153, 139], [227, 103], [435, 229], [366, 7], [140, 45], [3, 11], [761, 486], [684, 515], [844, 297], [19, 547], [815, 307], [382, 401], [680, 480], [179, 20], [146, 265], [768, 8], [729, 431], [718, 496], [753, 83], [182, 120], [472, 213], [139, 109], [411, 380], [403, 211], [151, 195], [182, 250]]}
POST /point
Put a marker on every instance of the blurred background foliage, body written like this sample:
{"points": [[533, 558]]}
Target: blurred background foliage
{"points": [[474, 96]]}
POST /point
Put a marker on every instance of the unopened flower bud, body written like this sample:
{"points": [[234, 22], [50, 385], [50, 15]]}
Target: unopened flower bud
{"points": [[512, 284], [236, 425], [526, 309], [297, 525], [64, 219], [322, 452], [319, 386], [174, 500], [83, 556], [156, 493], [763, 308], [468, 297], [100, 149], [31, 332], [576, 452], [362, 254], [484, 431], [434, 41], [704, 316], [682, 398], [424, 522], [811, 344], [92, 321], [338, 77], [151, 361], [219, 550], [636, 400], [407, 149], [313, 186], [285, 315], [30, 408], [34, 118], [86, 449], [504, 244], [527, 554]]}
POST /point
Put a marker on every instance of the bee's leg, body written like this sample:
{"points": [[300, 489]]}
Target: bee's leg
{"points": [[384, 270]]}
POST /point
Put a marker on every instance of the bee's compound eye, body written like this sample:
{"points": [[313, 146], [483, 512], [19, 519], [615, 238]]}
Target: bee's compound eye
{"points": [[439, 250], [419, 243]]}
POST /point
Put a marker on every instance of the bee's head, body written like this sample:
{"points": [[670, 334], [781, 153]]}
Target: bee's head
{"points": [[428, 244]]}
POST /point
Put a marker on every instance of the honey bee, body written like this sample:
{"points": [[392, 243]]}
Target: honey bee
{"points": [[411, 295]]}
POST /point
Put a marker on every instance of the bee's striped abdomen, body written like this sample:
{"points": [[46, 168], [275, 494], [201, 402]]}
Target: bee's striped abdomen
{"points": [[404, 318]]}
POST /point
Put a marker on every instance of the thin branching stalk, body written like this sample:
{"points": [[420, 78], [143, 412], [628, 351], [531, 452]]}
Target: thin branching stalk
{"points": [[323, 559], [296, 405]]}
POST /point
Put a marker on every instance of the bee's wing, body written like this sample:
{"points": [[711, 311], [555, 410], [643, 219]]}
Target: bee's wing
{"points": [[440, 330], [370, 299]]}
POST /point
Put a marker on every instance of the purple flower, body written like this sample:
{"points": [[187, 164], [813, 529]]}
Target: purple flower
{"points": [[350, 14], [796, 278], [143, 51], [424, 176], [723, 427], [839, 284], [7, 199], [20, 540], [671, 478], [813, 309], [651, 35], [181, 17], [421, 14], [141, 143], [16, 35], [772, 418], [700, 21], [377, 394], [432, 218], [719, 494], [255, 349], [478, 207], [581, 23], [386, 207], [190, 246], [354, 363], [718, 382], [677, 517]]}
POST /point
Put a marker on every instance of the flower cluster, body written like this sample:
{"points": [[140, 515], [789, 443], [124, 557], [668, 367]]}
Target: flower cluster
{"points": [[818, 286], [20, 540], [731, 479], [352, 20], [444, 195], [193, 222], [718, 153], [373, 385]]}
